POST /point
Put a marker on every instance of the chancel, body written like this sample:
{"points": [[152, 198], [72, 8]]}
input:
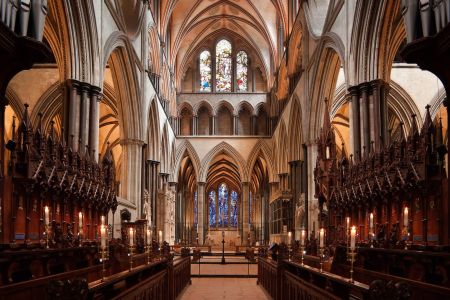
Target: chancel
{"points": [[224, 149]]}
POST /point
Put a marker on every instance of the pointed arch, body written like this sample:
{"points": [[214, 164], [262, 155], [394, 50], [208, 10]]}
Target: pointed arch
{"points": [[229, 150], [165, 150], [262, 149], [122, 61], [154, 136], [295, 132], [182, 150], [282, 166], [203, 103]]}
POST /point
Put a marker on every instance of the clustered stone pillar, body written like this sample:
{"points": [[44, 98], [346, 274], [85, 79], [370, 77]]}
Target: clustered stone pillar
{"points": [[201, 212], [369, 116], [130, 181], [81, 116], [152, 177], [245, 210]]}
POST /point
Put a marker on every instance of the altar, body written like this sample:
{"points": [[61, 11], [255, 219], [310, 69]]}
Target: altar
{"points": [[214, 238]]}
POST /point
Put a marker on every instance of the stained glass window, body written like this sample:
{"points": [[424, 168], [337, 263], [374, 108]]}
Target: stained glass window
{"points": [[242, 71], [212, 208], [223, 66], [234, 209], [205, 71], [195, 209], [223, 205]]}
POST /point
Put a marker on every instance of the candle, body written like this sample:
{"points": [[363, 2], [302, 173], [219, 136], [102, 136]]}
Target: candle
{"points": [[321, 237], [47, 216], [160, 236], [149, 239], [131, 237], [102, 218], [348, 225], [353, 238], [303, 237], [405, 217], [371, 221], [103, 236], [289, 237], [80, 219]]}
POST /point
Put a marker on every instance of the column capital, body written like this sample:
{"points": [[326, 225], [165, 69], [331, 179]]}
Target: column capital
{"points": [[201, 183], [153, 162], [353, 90], [73, 83], [364, 87], [85, 87]]}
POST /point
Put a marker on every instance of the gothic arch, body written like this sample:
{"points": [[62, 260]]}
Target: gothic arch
{"points": [[49, 105], [126, 84], [16, 104], [226, 104], [201, 104], [165, 151], [261, 149], [295, 131], [182, 150], [328, 65], [280, 152], [153, 133], [227, 149]]}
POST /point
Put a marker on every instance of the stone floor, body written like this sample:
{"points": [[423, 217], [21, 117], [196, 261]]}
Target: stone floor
{"points": [[224, 288]]}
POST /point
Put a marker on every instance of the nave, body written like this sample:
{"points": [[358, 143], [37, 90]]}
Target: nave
{"points": [[279, 149], [220, 288]]}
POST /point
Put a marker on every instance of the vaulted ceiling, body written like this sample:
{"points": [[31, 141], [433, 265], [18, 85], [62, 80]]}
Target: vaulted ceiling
{"points": [[189, 22]]}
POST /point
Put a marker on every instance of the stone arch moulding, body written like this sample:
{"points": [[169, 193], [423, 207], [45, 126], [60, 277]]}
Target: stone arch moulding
{"points": [[226, 148], [126, 81], [203, 103], [182, 150], [153, 134], [262, 149]]}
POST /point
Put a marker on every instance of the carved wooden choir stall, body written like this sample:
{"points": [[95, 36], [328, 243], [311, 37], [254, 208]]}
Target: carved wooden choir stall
{"points": [[55, 241]]}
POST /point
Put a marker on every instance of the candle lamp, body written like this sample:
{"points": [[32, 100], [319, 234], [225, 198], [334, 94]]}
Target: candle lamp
{"points": [[104, 249], [351, 252], [302, 244], [321, 247], [80, 228], [406, 226], [131, 246], [46, 225], [371, 235], [149, 245]]}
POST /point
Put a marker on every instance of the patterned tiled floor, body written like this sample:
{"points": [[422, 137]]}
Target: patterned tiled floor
{"points": [[223, 288]]}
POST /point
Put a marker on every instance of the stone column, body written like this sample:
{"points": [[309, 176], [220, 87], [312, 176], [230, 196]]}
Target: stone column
{"points": [[214, 125], [130, 176], [355, 129], [376, 113], [364, 111], [74, 115], [201, 216], [312, 202], [94, 121], [245, 210], [254, 80], [235, 125], [84, 116]]}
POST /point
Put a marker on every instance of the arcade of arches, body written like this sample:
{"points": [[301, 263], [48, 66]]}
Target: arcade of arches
{"points": [[166, 129]]}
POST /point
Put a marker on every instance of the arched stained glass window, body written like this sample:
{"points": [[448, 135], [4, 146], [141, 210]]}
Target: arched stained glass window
{"points": [[234, 209], [223, 66], [223, 205], [242, 71], [205, 71], [212, 208]]}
